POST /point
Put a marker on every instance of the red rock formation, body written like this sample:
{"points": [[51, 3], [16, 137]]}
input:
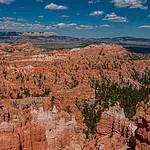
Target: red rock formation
{"points": [[43, 79], [142, 134], [27, 47], [113, 131], [19, 133]]}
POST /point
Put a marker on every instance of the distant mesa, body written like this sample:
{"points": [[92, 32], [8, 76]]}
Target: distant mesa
{"points": [[45, 34]]}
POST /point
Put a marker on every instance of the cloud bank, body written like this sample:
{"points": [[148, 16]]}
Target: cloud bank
{"points": [[113, 17], [96, 13], [130, 3], [6, 1], [53, 6]]}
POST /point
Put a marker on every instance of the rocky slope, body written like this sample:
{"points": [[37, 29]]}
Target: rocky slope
{"points": [[142, 133], [73, 99]]}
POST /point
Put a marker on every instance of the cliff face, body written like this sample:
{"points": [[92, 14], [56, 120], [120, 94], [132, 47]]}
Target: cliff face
{"points": [[113, 127], [17, 132], [62, 130], [6, 48], [113, 132], [40, 94], [36, 129], [142, 133], [25, 137]]}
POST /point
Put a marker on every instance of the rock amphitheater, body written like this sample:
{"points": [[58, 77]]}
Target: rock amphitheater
{"points": [[45, 98]]}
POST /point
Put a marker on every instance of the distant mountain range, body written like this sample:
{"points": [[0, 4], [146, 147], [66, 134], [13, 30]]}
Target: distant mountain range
{"points": [[51, 41]]}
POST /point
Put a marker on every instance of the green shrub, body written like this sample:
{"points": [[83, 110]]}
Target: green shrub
{"points": [[108, 93]]}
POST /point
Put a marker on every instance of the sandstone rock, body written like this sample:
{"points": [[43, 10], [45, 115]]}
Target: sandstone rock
{"points": [[26, 117], [114, 130], [142, 134]]}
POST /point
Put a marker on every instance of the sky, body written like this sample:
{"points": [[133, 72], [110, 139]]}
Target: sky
{"points": [[78, 18]]}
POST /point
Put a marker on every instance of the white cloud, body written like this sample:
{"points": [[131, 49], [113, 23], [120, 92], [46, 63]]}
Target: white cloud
{"points": [[113, 17], [41, 16], [64, 25], [19, 24], [12, 19], [6, 1], [96, 13], [12, 24], [145, 26], [104, 26], [36, 21], [39, 1], [64, 16], [53, 6], [7, 19], [93, 1], [130, 3], [84, 27], [72, 25]]}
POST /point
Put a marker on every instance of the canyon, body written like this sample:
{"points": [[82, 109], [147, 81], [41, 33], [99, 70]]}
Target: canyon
{"points": [[91, 98]]}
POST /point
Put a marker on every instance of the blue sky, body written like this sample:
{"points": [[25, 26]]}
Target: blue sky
{"points": [[81, 18]]}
